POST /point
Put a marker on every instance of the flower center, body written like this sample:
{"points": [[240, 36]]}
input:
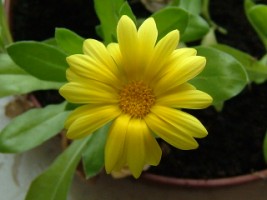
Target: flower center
{"points": [[136, 99]]}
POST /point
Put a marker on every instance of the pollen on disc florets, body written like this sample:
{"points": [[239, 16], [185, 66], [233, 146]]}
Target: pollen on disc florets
{"points": [[136, 99]]}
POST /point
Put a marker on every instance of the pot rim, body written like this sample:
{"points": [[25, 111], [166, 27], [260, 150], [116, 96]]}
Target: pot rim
{"points": [[206, 183]]}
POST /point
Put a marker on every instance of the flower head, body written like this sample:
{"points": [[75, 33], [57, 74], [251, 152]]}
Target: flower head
{"points": [[141, 86]]}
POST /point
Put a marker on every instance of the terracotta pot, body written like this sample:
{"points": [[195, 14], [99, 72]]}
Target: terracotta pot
{"points": [[260, 176]]}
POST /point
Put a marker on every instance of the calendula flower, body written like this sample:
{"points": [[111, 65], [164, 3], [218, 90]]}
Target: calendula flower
{"points": [[140, 85]]}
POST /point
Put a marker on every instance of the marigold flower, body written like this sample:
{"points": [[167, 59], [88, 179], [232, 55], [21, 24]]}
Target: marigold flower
{"points": [[141, 86]]}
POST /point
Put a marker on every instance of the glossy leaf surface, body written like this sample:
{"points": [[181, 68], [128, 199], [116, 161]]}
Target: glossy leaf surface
{"points": [[32, 128]]}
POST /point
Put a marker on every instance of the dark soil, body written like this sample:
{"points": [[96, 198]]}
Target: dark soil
{"points": [[234, 143], [37, 19]]}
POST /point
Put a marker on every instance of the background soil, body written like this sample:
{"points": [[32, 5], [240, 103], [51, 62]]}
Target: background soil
{"points": [[234, 143]]}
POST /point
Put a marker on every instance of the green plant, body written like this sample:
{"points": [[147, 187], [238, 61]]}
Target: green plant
{"points": [[28, 66]]}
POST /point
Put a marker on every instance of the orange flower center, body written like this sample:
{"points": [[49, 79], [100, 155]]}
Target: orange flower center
{"points": [[136, 99]]}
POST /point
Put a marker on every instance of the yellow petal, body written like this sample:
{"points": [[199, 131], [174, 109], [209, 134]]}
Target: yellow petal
{"points": [[99, 52], [170, 133], [161, 53], [115, 53], [86, 119], [128, 43], [180, 73], [147, 37], [182, 121], [177, 56], [180, 88], [115, 146], [153, 150], [181, 54], [193, 99], [135, 146], [88, 68], [89, 92]]}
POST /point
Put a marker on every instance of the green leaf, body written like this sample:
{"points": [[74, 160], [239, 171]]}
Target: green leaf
{"points": [[196, 29], [7, 66], [13, 84], [41, 60], [54, 183], [192, 6], [50, 41], [263, 60], [32, 128], [5, 36], [170, 18], [14, 80], [256, 71], [108, 14], [126, 10], [69, 41], [223, 77], [248, 4], [93, 156], [265, 147], [257, 16]]}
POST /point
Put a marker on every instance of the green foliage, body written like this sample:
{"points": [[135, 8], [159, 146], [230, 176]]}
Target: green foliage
{"points": [[197, 28], [32, 128], [257, 72], [223, 76], [5, 36], [31, 65], [14, 80], [93, 155], [257, 15], [126, 10], [8, 66], [69, 41], [14, 84], [108, 14], [41, 60], [54, 183], [177, 18], [192, 6]]}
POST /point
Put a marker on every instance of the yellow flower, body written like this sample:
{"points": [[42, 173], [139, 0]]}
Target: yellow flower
{"points": [[140, 85]]}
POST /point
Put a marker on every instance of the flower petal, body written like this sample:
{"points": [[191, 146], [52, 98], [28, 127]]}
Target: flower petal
{"points": [[185, 98], [169, 133], [115, 146], [153, 150], [88, 68], [182, 121], [161, 54], [135, 146], [180, 73], [175, 127], [147, 37], [182, 53], [180, 88], [86, 119], [128, 43], [89, 92], [99, 52], [115, 53]]}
